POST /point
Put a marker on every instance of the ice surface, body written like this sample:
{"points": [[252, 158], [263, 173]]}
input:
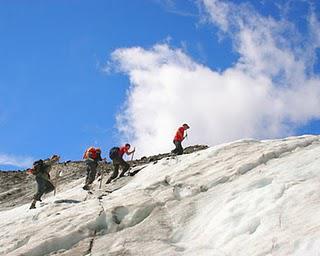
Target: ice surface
{"points": [[243, 198]]}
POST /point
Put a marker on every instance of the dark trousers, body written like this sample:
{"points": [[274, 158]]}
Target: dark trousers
{"points": [[117, 162], [178, 150], [91, 171], [43, 187]]}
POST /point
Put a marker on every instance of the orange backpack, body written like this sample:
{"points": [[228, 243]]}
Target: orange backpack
{"points": [[90, 153]]}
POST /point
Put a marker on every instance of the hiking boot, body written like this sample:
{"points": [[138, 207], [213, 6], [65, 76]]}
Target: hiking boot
{"points": [[86, 187], [122, 174], [36, 198], [33, 205]]}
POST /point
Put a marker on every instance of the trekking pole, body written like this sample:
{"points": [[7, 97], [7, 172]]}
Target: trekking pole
{"points": [[133, 154], [101, 176], [56, 182], [101, 179]]}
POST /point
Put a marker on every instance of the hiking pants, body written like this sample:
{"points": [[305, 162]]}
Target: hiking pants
{"points": [[44, 187], [117, 162], [91, 170], [178, 150]]}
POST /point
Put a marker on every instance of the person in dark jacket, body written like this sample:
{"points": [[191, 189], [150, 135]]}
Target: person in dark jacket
{"points": [[117, 161], [41, 169], [92, 157], [178, 138]]}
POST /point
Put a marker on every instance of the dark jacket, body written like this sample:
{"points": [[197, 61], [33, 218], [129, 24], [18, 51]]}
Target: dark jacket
{"points": [[43, 170]]}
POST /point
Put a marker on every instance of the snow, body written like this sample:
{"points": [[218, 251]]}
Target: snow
{"points": [[245, 198]]}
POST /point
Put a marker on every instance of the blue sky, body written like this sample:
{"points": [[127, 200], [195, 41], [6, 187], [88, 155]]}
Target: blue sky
{"points": [[72, 74]]}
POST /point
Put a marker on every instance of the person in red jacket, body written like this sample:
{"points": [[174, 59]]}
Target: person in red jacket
{"points": [[116, 155], [178, 138]]}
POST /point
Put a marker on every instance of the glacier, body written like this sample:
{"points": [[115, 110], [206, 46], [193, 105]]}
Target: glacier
{"points": [[247, 197]]}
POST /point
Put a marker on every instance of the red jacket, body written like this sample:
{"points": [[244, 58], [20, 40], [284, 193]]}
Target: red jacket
{"points": [[122, 150], [179, 134]]}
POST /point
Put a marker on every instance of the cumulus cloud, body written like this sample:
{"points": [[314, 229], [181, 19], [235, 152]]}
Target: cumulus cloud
{"points": [[17, 161], [268, 93]]}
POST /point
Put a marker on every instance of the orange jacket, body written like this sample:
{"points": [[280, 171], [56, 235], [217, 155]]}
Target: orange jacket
{"points": [[90, 153]]}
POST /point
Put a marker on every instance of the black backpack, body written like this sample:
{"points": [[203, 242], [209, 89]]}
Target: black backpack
{"points": [[37, 166], [114, 152]]}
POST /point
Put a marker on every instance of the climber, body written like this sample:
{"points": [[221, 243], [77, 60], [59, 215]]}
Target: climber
{"points": [[92, 156], [178, 138], [41, 170], [116, 155]]}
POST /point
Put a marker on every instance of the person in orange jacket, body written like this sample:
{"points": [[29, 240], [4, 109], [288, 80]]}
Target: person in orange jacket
{"points": [[178, 138], [91, 157]]}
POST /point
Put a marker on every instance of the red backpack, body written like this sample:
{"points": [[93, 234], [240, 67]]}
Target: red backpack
{"points": [[90, 153]]}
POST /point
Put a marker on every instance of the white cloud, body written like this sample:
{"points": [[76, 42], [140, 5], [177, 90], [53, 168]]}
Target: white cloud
{"points": [[267, 93], [172, 6], [17, 161], [220, 12]]}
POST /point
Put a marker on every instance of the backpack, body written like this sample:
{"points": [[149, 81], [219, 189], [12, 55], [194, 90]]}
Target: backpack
{"points": [[90, 153], [37, 167], [114, 152]]}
